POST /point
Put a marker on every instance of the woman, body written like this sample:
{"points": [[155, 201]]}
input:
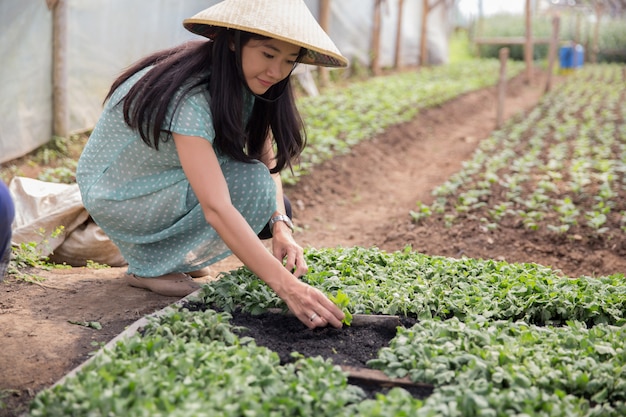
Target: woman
{"points": [[183, 168]]}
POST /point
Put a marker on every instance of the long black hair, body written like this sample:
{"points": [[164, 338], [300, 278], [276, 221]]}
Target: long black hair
{"points": [[214, 65]]}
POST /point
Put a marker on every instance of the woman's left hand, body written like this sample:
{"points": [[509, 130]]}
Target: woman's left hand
{"points": [[286, 250]]}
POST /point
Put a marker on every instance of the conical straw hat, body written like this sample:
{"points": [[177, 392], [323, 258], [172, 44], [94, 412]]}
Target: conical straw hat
{"points": [[286, 20]]}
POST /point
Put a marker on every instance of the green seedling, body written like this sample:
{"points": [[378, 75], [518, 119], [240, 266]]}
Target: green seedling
{"points": [[342, 301], [91, 324]]}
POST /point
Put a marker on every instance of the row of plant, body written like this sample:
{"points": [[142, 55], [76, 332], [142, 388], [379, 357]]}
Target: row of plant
{"points": [[339, 119], [488, 360], [562, 165], [425, 287], [495, 339]]}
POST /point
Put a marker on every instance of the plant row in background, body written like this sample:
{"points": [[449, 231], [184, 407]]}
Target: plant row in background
{"points": [[339, 119], [562, 166], [495, 339]]}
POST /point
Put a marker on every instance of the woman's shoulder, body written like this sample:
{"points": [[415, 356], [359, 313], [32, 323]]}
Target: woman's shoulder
{"points": [[121, 91]]}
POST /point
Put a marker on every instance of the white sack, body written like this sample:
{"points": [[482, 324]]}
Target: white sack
{"points": [[41, 207]]}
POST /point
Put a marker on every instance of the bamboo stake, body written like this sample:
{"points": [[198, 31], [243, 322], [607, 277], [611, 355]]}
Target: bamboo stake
{"points": [[397, 63], [554, 43], [528, 49], [324, 9], [424, 33], [504, 55], [596, 33], [60, 111], [375, 62]]}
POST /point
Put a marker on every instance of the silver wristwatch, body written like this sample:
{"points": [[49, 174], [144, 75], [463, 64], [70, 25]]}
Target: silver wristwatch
{"points": [[280, 218]]}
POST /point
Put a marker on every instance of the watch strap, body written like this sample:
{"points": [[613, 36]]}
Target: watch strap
{"points": [[280, 218]]}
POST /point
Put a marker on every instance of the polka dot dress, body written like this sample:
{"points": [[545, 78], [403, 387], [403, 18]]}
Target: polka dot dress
{"points": [[143, 201]]}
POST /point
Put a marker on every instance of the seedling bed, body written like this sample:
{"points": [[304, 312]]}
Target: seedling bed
{"points": [[350, 347]]}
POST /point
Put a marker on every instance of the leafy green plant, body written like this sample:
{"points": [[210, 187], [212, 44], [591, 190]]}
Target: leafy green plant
{"points": [[90, 324], [558, 169], [30, 255], [95, 265], [342, 301], [339, 119], [494, 338]]}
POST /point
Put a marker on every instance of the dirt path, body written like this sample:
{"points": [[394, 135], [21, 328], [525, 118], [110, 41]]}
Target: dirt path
{"points": [[356, 200]]}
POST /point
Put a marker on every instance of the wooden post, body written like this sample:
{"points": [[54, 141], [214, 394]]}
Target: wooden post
{"points": [[375, 63], [596, 33], [423, 59], [528, 48], [427, 8], [60, 111], [397, 63], [478, 30], [504, 56], [552, 51], [579, 29], [325, 24]]}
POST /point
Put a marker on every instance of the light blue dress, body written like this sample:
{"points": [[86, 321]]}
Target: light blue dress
{"points": [[142, 199]]}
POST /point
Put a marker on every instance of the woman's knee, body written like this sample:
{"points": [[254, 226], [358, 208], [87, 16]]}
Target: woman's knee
{"points": [[252, 188]]}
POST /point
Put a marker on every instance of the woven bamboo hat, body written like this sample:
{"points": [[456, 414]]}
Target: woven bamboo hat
{"points": [[286, 20]]}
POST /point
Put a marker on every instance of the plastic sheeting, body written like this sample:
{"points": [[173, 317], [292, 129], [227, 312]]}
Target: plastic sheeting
{"points": [[25, 74], [42, 208], [104, 36]]}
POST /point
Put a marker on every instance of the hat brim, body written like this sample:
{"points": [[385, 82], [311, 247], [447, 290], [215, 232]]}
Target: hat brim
{"points": [[312, 56], [286, 20]]}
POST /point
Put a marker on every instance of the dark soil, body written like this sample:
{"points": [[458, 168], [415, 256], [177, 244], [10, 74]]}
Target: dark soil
{"points": [[349, 347], [284, 334]]}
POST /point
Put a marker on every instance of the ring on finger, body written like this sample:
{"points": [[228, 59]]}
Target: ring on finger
{"points": [[313, 316]]}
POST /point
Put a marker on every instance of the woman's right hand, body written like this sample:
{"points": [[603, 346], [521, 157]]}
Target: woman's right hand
{"points": [[311, 306], [200, 163]]}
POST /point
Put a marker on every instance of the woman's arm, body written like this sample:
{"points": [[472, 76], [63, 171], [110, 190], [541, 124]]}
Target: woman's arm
{"points": [[284, 247], [200, 163]]}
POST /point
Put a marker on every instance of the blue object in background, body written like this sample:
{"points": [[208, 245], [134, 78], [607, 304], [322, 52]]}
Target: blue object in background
{"points": [[7, 214], [571, 56]]}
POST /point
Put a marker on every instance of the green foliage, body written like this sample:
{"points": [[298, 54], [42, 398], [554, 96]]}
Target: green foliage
{"points": [[460, 47], [95, 265], [561, 165], [55, 161], [62, 174], [513, 26], [342, 301], [194, 365], [338, 120], [611, 40], [571, 369], [30, 255], [90, 324], [494, 338]]}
